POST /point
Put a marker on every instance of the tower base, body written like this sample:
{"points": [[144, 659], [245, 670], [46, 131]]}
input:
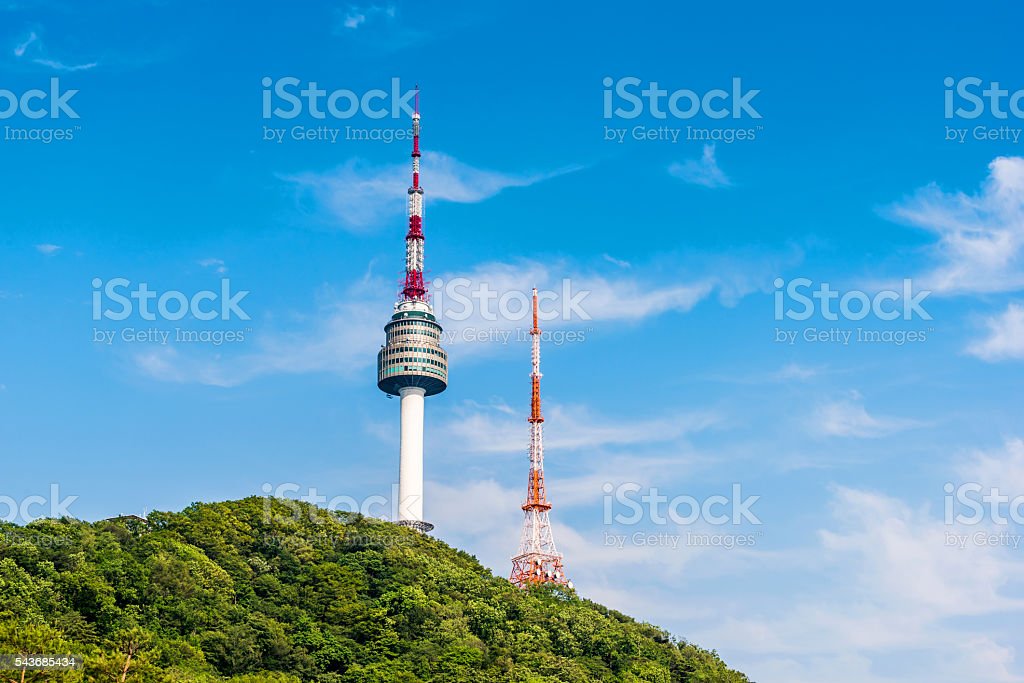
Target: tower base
{"points": [[537, 568], [418, 525]]}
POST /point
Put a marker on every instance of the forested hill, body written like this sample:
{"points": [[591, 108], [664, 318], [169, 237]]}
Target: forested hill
{"points": [[260, 590]]}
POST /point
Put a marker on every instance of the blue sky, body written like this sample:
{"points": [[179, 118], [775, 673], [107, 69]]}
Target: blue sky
{"points": [[669, 375]]}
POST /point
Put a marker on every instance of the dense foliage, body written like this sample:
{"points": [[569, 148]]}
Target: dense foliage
{"points": [[262, 590]]}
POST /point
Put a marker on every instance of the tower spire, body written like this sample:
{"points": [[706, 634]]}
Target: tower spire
{"points": [[415, 288], [538, 560]]}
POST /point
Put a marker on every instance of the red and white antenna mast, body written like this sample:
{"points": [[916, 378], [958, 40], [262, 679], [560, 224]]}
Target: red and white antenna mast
{"points": [[415, 288], [538, 561]]}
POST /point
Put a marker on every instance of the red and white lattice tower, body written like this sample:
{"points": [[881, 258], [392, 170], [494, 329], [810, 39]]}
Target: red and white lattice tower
{"points": [[538, 561]]}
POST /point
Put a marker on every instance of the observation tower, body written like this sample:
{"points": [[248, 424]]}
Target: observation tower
{"points": [[411, 364]]}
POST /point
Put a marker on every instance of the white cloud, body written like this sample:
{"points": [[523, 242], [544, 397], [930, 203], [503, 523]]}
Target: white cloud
{"points": [[618, 262], [215, 263], [980, 237], [493, 297], [1001, 469], [378, 28], [343, 337], [358, 16], [477, 510], [20, 48], [354, 20], [48, 249], [703, 171], [33, 45], [883, 537], [895, 589], [486, 517], [61, 66], [342, 340], [481, 308], [479, 429], [1005, 339], [880, 584], [797, 372], [850, 418], [359, 197]]}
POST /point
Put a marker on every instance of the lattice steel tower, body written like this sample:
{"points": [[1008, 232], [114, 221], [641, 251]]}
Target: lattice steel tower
{"points": [[538, 561], [412, 364]]}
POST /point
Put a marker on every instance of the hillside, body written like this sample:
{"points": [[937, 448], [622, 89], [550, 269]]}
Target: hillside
{"points": [[251, 591]]}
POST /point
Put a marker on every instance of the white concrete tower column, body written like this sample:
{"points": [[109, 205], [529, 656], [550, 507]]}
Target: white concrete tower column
{"points": [[410, 468]]}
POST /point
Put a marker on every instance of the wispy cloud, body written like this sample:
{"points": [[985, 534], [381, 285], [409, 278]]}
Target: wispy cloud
{"points": [[354, 17], [343, 334], [615, 261], [578, 296], [592, 295], [61, 66], [342, 337], [48, 249], [342, 341], [379, 28], [848, 417], [1005, 340], [871, 609], [33, 49], [354, 20], [876, 607], [569, 428], [19, 49], [795, 371], [214, 263], [358, 196], [1002, 468], [788, 373], [980, 236], [703, 171]]}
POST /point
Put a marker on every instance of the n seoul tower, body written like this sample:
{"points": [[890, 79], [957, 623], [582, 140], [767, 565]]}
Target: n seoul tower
{"points": [[412, 364]]}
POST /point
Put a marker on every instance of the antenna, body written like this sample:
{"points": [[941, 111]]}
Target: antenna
{"points": [[415, 289], [538, 560]]}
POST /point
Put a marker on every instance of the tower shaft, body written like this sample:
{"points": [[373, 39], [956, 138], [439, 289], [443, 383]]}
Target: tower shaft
{"points": [[538, 560], [410, 465]]}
